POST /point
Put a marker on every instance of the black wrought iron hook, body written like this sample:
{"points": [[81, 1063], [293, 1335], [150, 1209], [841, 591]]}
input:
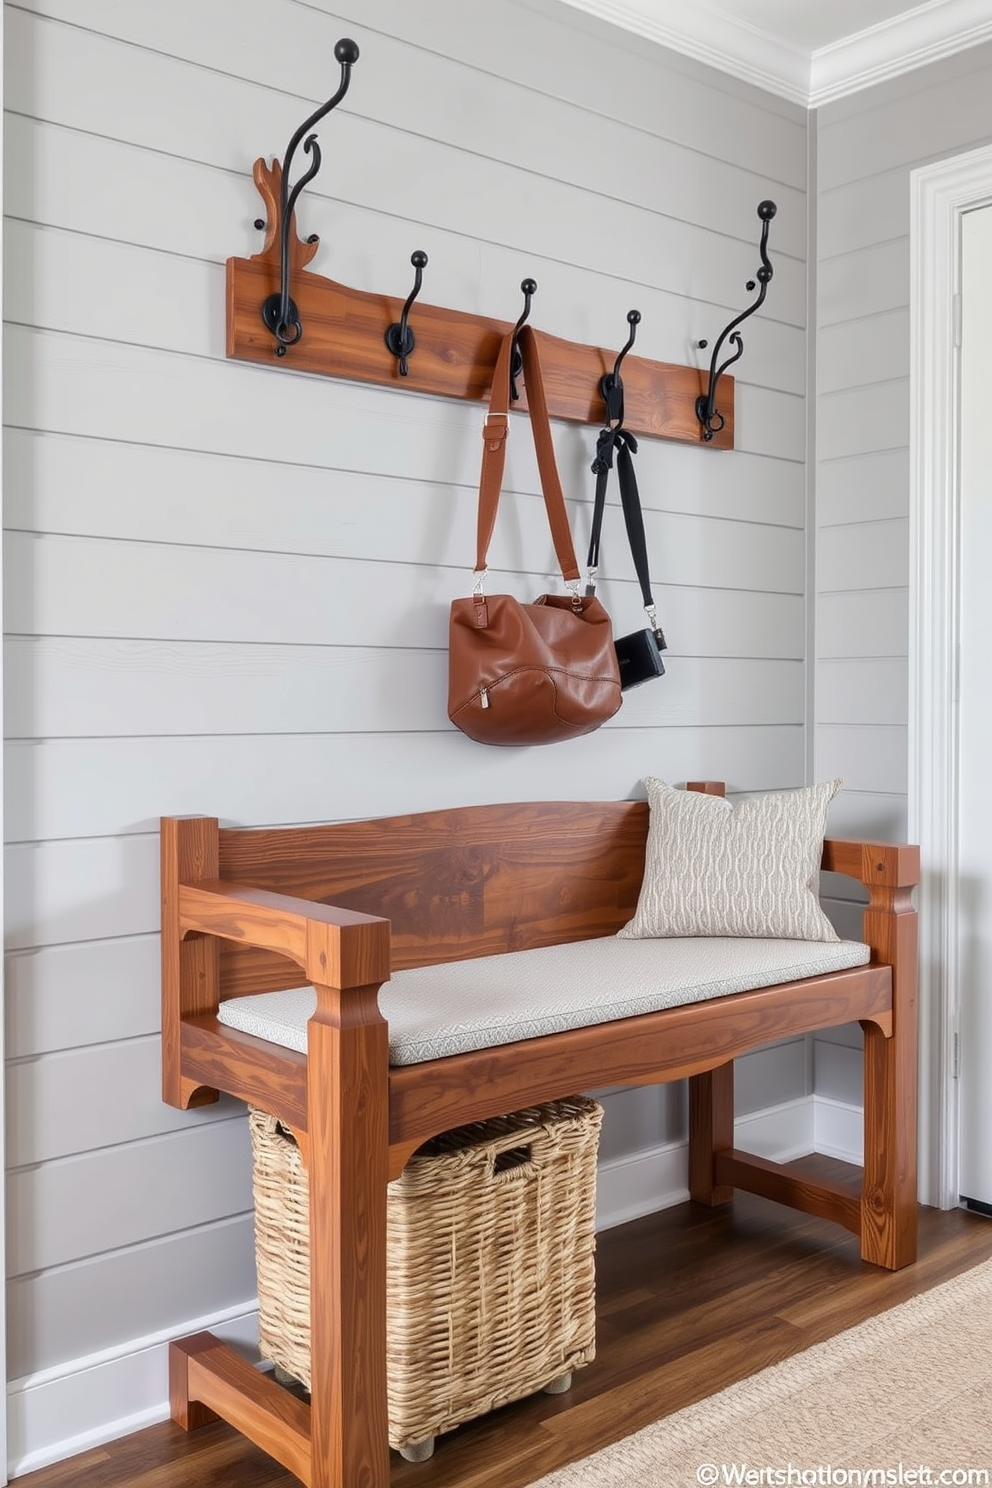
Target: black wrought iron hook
{"points": [[529, 290], [279, 312], [399, 337], [706, 409], [611, 383]]}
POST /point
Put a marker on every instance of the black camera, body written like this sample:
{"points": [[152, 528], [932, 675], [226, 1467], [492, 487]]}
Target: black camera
{"points": [[639, 657]]}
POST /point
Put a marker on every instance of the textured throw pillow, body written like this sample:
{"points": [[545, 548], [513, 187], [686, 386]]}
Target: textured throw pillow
{"points": [[716, 869]]}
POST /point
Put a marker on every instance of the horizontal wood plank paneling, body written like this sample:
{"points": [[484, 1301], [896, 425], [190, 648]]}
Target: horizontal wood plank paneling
{"points": [[839, 1072], [429, 181], [639, 1119], [875, 349], [93, 992], [862, 690], [69, 1312], [866, 622], [862, 420], [865, 281], [770, 1077], [128, 590], [624, 91], [148, 1195], [68, 687], [686, 550], [75, 788], [863, 555], [860, 213], [57, 892], [868, 757], [204, 498], [926, 114], [765, 420], [227, 586], [578, 145], [848, 1036], [81, 1099], [875, 816], [862, 488]]}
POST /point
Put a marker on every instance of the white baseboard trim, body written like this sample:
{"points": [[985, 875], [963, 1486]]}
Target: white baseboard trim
{"points": [[839, 1129], [60, 1412]]}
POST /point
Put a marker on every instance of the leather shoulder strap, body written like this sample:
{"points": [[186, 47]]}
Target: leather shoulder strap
{"points": [[494, 434], [495, 431]]}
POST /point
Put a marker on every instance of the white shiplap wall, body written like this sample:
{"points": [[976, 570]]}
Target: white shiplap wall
{"points": [[227, 586], [866, 146]]}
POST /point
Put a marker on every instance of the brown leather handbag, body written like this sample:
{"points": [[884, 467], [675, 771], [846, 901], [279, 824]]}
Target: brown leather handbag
{"points": [[528, 673]]}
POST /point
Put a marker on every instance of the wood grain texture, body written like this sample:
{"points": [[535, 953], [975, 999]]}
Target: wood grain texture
{"points": [[326, 942], [348, 1058], [344, 336], [711, 1130], [185, 1409], [470, 882], [189, 963], [795, 1186], [888, 1232], [253, 1070], [208, 1379]]}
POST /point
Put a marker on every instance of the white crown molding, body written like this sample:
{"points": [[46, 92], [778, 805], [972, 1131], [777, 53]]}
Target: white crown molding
{"points": [[709, 34], [712, 36], [885, 51]]}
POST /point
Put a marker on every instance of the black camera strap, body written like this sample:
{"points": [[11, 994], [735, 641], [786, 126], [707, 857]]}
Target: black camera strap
{"points": [[622, 442]]}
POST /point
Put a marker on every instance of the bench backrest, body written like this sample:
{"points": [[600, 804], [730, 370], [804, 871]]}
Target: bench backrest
{"points": [[467, 882]]}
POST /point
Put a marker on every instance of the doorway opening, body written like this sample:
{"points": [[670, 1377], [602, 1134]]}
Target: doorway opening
{"points": [[940, 196]]}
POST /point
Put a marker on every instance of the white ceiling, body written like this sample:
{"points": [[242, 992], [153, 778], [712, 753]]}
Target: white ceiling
{"points": [[807, 50]]}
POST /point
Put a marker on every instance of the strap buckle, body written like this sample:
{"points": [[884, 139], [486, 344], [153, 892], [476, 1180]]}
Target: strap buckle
{"points": [[493, 435]]}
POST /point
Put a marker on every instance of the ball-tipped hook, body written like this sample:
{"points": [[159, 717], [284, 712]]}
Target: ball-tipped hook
{"points": [[399, 336]]}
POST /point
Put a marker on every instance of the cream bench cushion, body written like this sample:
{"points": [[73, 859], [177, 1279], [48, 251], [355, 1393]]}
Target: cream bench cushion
{"points": [[451, 1008]]}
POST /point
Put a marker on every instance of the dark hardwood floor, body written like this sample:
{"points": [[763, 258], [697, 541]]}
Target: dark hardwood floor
{"points": [[689, 1301]]}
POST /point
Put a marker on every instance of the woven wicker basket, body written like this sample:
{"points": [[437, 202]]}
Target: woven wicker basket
{"points": [[490, 1272]]}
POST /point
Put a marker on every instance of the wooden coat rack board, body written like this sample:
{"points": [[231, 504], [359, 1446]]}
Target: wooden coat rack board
{"points": [[344, 336]]}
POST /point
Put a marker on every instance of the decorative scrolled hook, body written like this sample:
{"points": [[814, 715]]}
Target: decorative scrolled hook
{"points": [[279, 311], [706, 410], [399, 336], [528, 288], [611, 383]]}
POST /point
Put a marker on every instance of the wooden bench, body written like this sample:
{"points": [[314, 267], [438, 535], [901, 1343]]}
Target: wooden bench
{"points": [[249, 911]]}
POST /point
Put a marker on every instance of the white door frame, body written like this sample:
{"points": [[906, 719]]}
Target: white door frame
{"points": [[939, 195]]}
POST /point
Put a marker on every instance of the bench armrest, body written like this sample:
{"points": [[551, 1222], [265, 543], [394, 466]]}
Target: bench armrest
{"points": [[876, 864], [335, 947]]}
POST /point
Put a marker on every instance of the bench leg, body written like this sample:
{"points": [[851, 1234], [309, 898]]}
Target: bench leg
{"points": [[186, 1411], [888, 1194], [347, 1080], [711, 1130]]}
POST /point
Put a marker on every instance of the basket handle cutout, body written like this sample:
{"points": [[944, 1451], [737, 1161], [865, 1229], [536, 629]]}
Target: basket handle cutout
{"points": [[512, 1159]]}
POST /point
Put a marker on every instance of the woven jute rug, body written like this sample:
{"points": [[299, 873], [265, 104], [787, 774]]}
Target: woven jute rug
{"points": [[906, 1393]]}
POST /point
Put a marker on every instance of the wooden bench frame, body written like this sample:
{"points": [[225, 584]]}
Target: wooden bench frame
{"points": [[249, 910]]}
